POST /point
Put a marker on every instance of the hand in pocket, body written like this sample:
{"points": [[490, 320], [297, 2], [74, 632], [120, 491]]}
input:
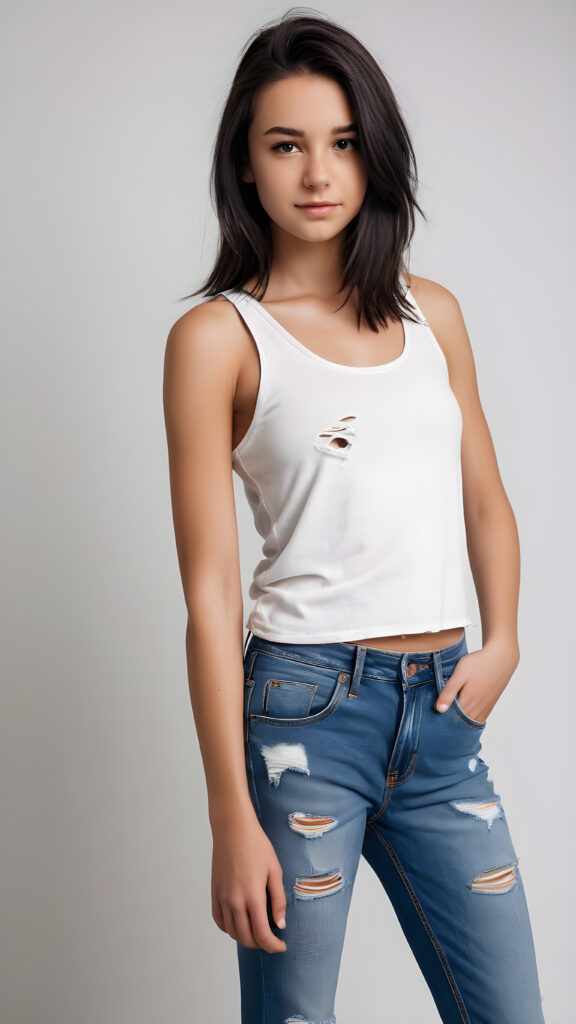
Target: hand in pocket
{"points": [[479, 679]]}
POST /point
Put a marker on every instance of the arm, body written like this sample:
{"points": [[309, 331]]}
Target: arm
{"points": [[492, 534], [199, 381], [200, 373]]}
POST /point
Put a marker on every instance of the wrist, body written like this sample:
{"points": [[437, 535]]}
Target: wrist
{"points": [[226, 814], [505, 644]]}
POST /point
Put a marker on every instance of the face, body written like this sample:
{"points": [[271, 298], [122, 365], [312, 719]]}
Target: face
{"points": [[297, 156]]}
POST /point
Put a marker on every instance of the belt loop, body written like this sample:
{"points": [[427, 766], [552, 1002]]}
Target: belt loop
{"points": [[438, 674], [357, 671]]}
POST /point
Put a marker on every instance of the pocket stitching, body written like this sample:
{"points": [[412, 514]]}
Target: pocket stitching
{"points": [[458, 711], [330, 708], [295, 682], [472, 722]]}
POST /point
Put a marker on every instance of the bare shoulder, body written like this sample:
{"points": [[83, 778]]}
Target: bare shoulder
{"points": [[200, 372], [432, 297], [203, 358], [210, 330], [444, 315]]}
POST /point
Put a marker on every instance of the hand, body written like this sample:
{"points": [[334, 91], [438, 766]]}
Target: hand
{"points": [[479, 679], [244, 866]]}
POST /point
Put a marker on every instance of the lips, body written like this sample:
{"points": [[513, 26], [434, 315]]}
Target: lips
{"points": [[317, 209]]}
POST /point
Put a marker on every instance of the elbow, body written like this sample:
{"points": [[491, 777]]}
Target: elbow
{"points": [[211, 610], [494, 501]]}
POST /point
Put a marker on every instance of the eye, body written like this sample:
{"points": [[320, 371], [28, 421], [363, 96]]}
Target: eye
{"points": [[351, 144], [279, 144]]}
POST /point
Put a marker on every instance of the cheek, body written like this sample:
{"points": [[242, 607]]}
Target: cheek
{"points": [[269, 198], [270, 179], [274, 190], [359, 179]]}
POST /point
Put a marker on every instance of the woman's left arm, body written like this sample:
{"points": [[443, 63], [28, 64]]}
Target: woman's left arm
{"points": [[491, 531]]}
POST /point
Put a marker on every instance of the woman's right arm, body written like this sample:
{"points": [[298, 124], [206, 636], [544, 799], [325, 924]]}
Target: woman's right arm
{"points": [[201, 366]]}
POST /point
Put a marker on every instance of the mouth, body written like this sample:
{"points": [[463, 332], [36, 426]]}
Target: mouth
{"points": [[317, 208]]}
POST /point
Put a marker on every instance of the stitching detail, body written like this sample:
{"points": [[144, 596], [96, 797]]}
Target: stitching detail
{"points": [[387, 795], [248, 754], [261, 959], [440, 952], [298, 659], [409, 771]]}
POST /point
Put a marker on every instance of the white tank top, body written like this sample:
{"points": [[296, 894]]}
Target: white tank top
{"points": [[353, 475]]}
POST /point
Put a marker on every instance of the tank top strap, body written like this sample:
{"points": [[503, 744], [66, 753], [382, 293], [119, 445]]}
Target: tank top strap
{"points": [[408, 294], [277, 361], [249, 312], [243, 303]]}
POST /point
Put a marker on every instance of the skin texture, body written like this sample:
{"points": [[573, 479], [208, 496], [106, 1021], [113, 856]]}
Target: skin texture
{"points": [[211, 376]]}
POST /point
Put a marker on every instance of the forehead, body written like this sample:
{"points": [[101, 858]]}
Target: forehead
{"points": [[308, 102]]}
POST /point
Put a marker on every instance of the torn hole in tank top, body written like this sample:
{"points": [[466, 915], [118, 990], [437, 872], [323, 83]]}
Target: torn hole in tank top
{"points": [[336, 439]]}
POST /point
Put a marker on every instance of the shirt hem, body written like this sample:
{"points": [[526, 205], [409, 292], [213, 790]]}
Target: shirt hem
{"points": [[351, 634]]}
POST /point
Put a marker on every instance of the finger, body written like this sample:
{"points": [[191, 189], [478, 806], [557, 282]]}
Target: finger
{"points": [[243, 928], [261, 930], [229, 922], [447, 694], [217, 914], [277, 898]]}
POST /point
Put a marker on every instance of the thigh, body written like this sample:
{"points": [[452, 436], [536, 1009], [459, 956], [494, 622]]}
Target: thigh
{"points": [[443, 849], [292, 716]]}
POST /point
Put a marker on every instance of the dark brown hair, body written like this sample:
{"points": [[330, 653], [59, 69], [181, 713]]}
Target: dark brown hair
{"points": [[377, 237]]}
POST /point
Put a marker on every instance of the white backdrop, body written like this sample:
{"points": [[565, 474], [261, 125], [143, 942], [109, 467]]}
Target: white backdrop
{"points": [[108, 116]]}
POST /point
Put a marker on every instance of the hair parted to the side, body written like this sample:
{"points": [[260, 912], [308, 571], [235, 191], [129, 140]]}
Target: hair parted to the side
{"points": [[377, 237]]}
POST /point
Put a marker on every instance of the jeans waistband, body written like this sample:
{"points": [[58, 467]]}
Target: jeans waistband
{"points": [[356, 658]]}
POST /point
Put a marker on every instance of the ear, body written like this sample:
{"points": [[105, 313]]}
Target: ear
{"points": [[247, 174]]}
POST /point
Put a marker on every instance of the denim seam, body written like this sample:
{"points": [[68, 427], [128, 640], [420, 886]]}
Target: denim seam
{"points": [[441, 681], [261, 959], [409, 770], [252, 778], [299, 661], [311, 687], [299, 723], [253, 649], [387, 795], [389, 785], [428, 927], [472, 722], [412, 764]]}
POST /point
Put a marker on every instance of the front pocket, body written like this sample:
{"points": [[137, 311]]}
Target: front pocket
{"points": [[457, 710], [469, 721], [288, 698], [289, 692]]}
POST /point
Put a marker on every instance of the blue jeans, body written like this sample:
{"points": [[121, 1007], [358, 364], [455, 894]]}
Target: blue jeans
{"points": [[346, 755]]}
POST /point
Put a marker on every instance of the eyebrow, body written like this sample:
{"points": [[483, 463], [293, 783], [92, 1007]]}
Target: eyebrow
{"points": [[279, 130]]}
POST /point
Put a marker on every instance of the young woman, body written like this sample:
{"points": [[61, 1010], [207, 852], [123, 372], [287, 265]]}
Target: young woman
{"points": [[342, 391]]}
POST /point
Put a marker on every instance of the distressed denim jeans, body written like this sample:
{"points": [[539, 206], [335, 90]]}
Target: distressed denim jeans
{"points": [[346, 755]]}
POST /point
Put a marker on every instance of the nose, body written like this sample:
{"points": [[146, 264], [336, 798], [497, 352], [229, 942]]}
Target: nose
{"points": [[315, 173]]}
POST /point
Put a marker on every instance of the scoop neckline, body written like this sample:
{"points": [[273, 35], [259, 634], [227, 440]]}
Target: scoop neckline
{"points": [[378, 368]]}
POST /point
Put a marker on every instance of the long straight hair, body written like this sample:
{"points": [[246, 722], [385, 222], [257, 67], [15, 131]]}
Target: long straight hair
{"points": [[377, 237]]}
